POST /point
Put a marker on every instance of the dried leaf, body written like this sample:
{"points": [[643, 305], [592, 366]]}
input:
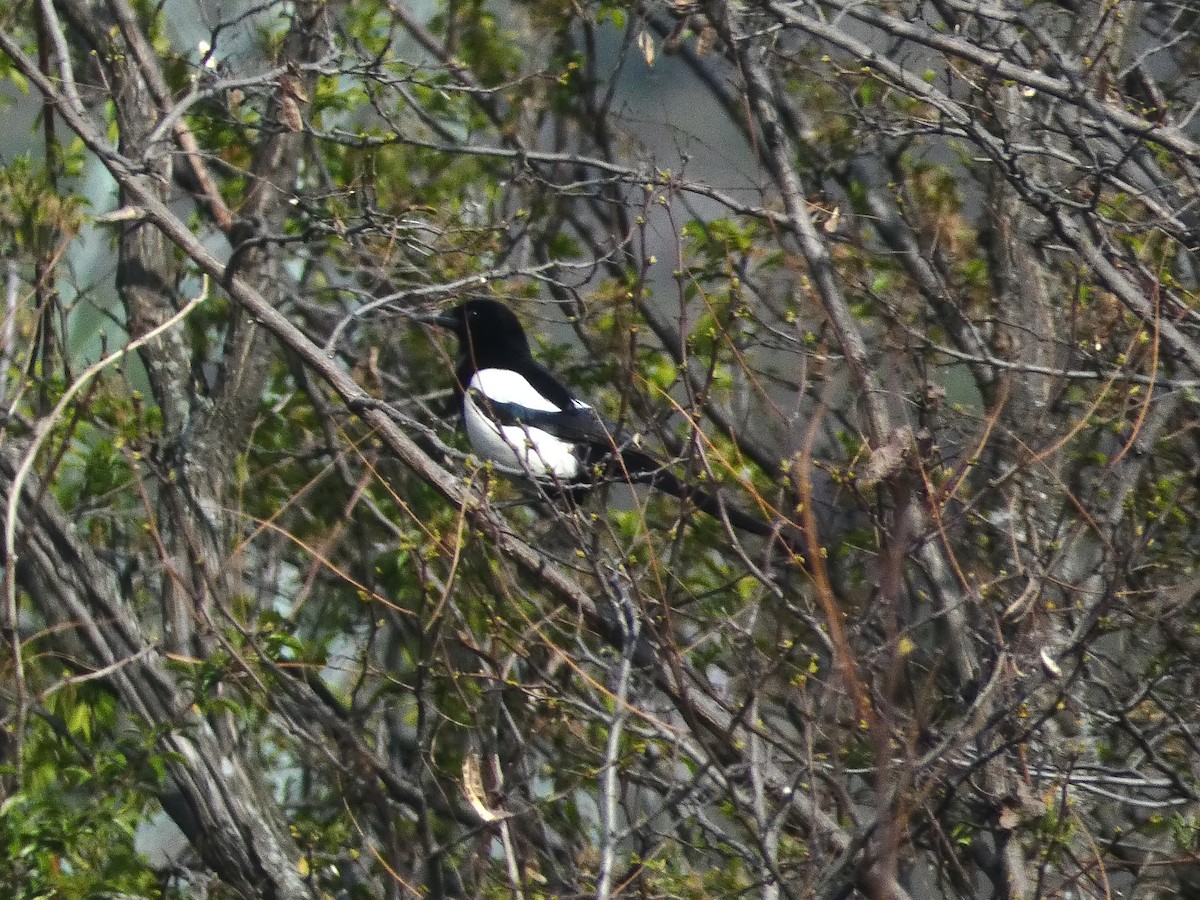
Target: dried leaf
{"points": [[835, 218], [1010, 817], [1050, 666], [293, 87], [474, 790], [289, 113], [646, 44], [887, 460]]}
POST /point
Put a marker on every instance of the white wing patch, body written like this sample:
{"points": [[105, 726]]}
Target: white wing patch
{"points": [[507, 386], [538, 452]]}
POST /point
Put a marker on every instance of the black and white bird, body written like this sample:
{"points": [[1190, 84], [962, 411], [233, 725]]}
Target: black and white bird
{"points": [[517, 414]]}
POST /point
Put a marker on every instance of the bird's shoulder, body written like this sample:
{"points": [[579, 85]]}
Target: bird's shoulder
{"points": [[528, 385]]}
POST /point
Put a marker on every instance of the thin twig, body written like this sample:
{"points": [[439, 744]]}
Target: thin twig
{"points": [[42, 430]]}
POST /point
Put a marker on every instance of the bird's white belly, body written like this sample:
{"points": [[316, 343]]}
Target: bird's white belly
{"points": [[535, 451]]}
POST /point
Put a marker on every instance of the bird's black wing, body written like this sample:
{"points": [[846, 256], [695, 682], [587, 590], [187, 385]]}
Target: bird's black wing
{"points": [[608, 453], [575, 424], [578, 424]]}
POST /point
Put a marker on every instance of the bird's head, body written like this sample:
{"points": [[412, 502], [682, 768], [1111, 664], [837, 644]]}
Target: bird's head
{"points": [[486, 330]]}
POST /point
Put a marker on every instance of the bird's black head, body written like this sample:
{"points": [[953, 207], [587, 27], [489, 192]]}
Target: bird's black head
{"points": [[488, 332]]}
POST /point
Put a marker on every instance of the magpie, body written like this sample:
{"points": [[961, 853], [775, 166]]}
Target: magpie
{"points": [[516, 413]]}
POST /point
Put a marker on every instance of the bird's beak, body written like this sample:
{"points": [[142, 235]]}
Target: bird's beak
{"points": [[441, 320]]}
